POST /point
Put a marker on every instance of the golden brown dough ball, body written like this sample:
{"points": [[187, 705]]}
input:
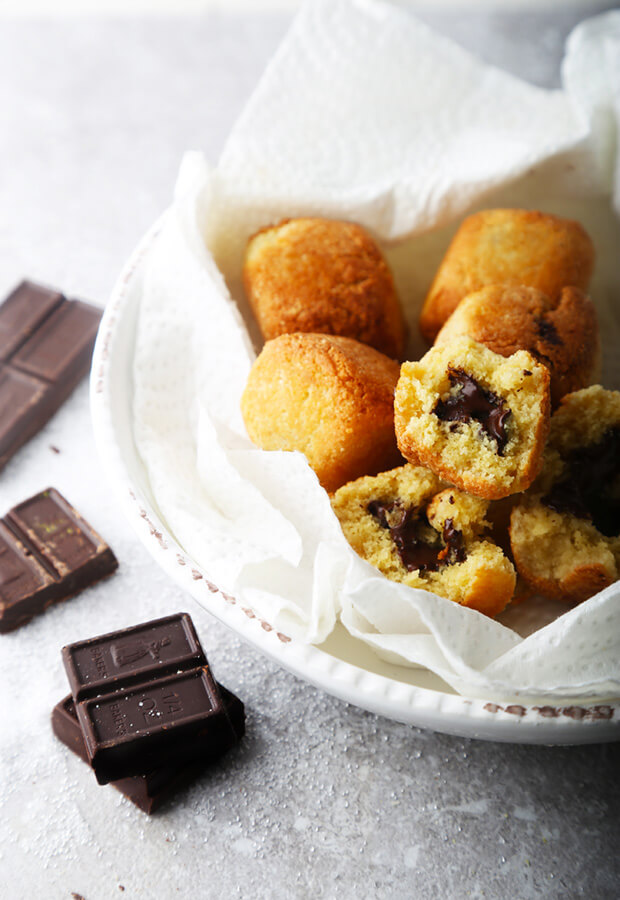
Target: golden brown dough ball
{"points": [[323, 276], [562, 333], [405, 525], [511, 247], [329, 397], [565, 532], [477, 419]]}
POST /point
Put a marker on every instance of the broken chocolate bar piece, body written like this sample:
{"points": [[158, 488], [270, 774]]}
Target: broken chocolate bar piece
{"points": [[176, 719], [46, 344], [149, 790], [22, 312], [117, 660], [48, 552]]}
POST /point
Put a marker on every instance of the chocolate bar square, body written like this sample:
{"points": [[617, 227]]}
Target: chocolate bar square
{"points": [[46, 344], [178, 718], [23, 311], [48, 552], [122, 658], [149, 790]]}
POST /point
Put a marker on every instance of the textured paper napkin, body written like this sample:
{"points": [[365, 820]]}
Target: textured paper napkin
{"points": [[365, 114]]}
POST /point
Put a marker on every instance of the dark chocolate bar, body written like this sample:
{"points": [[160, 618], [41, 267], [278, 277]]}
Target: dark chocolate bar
{"points": [[122, 658], [149, 790], [46, 344], [22, 312], [178, 718], [48, 552]]}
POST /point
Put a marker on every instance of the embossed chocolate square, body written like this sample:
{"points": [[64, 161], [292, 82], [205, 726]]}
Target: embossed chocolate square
{"points": [[122, 658], [48, 553], [149, 790], [46, 344], [178, 718]]}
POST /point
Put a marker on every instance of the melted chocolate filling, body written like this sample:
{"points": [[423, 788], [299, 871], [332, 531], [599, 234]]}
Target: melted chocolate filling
{"points": [[584, 489], [474, 402], [415, 551]]}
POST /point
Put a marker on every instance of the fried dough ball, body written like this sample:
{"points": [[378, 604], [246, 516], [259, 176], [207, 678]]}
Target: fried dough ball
{"points": [[511, 247], [323, 276], [477, 419], [565, 532], [329, 397], [562, 333], [415, 531]]}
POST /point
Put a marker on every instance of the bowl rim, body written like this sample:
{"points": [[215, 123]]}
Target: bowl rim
{"points": [[517, 722]]}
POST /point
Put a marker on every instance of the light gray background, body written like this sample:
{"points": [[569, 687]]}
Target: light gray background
{"points": [[321, 799]]}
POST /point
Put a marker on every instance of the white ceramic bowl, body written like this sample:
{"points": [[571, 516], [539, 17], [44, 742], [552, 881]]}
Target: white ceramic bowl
{"points": [[341, 666]]}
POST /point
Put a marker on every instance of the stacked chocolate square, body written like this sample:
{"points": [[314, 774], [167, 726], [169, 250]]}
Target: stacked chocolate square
{"points": [[145, 711]]}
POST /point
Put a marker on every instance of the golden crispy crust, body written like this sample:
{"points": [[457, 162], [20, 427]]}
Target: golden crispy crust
{"points": [[561, 333], [559, 556], [462, 453], [510, 247], [329, 397], [484, 579], [558, 553], [583, 418], [323, 276]]}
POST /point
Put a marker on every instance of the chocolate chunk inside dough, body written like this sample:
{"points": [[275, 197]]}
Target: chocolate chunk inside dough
{"points": [[586, 488], [548, 332], [472, 401], [419, 546]]}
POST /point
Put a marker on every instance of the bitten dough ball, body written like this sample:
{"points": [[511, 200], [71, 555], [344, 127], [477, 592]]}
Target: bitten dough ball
{"points": [[329, 397], [511, 247], [565, 532], [562, 333], [323, 276], [476, 419], [415, 531]]}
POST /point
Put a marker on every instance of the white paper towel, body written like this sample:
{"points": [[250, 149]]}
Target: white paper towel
{"points": [[363, 114]]}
